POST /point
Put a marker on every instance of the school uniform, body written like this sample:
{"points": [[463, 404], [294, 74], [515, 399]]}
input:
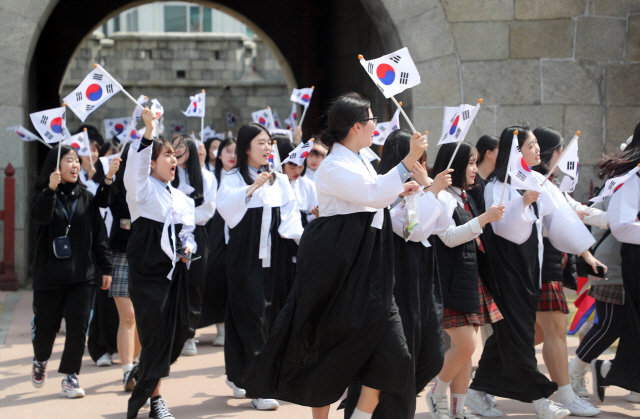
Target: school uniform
{"points": [[624, 209], [66, 286], [210, 167], [508, 366], [419, 299], [340, 322], [204, 211], [163, 222], [259, 263]]}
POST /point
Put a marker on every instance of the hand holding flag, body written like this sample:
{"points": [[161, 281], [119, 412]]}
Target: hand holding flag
{"points": [[80, 142]]}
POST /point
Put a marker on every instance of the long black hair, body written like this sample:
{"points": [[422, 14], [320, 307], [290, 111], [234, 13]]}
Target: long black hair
{"points": [[50, 164], [396, 147], [459, 164], [217, 170], [484, 144], [194, 170], [246, 134], [549, 141], [207, 146], [345, 112], [620, 163], [504, 150], [118, 182]]}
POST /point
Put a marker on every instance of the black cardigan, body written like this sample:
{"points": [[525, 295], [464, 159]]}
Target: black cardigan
{"points": [[88, 238]]}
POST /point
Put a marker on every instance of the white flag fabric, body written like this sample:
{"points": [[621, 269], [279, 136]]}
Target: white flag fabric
{"points": [[95, 89], [393, 73], [207, 133], [613, 184], [264, 117], [106, 161], [568, 164], [302, 96], [24, 133], [520, 172], [383, 129], [137, 111], [456, 123], [292, 119], [128, 134], [80, 142], [115, 126], [369, 154], [231, 119], [276, 119], [158, 111], [196, 105], [274, 158], [299, 153], [286, 132], [51, 124]]}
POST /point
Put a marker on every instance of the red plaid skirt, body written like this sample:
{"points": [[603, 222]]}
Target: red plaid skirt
{"points": [[552, 298], [489, 312]]}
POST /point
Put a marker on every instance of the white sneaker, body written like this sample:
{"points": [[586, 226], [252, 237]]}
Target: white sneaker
{"points": [[265, 404], [581, 407], [438, 405], [551, 410], [579, 383], [633, 397], [105, 360], [219, 340], [190, 348], [493, 400], [482, 403], [71, 387], [465, 414], [238, 393]]}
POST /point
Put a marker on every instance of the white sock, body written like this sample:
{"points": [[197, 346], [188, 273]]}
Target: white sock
{"points": [[536, 404], [127, 368], [457, 403], [440, 387], [359, 414], [220, 327], [604, 368], [578, 365], [566, 394]]}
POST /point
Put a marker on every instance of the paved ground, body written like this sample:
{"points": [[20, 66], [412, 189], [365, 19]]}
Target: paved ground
{"points": [[195, 389]]}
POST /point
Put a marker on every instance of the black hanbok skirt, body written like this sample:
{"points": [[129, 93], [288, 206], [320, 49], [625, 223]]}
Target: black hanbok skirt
{"points": [[508, 366], [215, 294], [625, 371], [160, 305], [340, 322], [419, 298], [256, 294], [103, 327], [196, 276]]}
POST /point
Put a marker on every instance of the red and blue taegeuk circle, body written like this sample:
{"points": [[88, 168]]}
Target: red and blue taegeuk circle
{"points": [[524, 165], [195, 106], [119, 128], [20, 134], [305, 98], [261, 120], [94, 92], [56, 125], [454, 126], [386, 74], [376, 133], [75, 145]]}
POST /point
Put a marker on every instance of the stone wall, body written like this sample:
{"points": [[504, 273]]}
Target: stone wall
{"points": [[239, 74]]}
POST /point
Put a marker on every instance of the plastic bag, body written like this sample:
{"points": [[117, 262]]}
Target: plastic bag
{"points": [[410, 215]]}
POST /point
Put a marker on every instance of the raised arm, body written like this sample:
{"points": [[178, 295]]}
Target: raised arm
{"points": [[623, 212]]}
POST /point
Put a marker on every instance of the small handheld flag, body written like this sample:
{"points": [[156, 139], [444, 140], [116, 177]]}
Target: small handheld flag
{"points": [[264, 117], [231, 119], [80, 142], [51, 124], [457, 121], [392, 73], [299, 153], [276, 119], [158, 111], [383, 129], [196, 106], [274, 158], [115, 126], [613, 184], [369, 154], [95, 89], [568, 164], [26, 135], [291, 120], [106, 161], [302, 96], [520, 173]]}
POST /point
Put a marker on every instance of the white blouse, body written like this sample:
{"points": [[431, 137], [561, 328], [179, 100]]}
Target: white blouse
{"points": [[455, 235], [310, 174], [596, 217], [305, 191], [148, 197], [232, 204], [431, 215], [205, 211], [623, 212]]}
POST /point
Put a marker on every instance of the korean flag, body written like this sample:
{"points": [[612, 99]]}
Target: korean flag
{"points": [[95, 89], [392, 73]]}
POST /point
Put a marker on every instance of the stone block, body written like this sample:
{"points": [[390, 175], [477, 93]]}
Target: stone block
{"points": [[257, 102], [166, 54], [401, 10], [32, 10], [541, 38], [633, 38], [622, 85], [548, 9], [589, 120], [621, 121], [17, 34], [440, 83], [600, 38], [537, 116], [478, 11], [11, 82], [618, 8], [571, 82], [485, 123], [479, 41], [427, 35], [513, 82]]}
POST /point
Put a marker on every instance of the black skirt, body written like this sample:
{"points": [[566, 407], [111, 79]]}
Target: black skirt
{"points": [[196, 278], [256, 294], [340, 322], [419, 298], [625, 371], [215, 294], [160, 305], [103, 327], [508, 366]]}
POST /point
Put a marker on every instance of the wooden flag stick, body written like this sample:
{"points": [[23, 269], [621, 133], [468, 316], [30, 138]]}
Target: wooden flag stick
{"points": [[305, 111], [454, 155], [202, 120], [399, 105], [504, 187], [64, 105], [122, 89], [90, 156], [556, 163]]}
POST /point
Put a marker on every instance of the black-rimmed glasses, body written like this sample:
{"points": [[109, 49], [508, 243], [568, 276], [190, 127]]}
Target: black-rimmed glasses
{"points": [[374, 119]]}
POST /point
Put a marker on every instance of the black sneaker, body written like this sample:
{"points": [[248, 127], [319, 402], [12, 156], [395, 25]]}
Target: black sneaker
{"points": [[38, 373], [128, 381], [159, 409], [598, 381]]}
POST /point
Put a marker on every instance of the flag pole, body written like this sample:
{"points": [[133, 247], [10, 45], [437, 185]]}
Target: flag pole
{"points": [[90, 156], [399, 105], [64, 105], [575, 138], [204, 97], [305, 109], [504, 186], [96, 65]]}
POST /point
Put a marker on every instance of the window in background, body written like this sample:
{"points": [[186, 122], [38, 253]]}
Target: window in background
{"points": [[116, 24], [194, 19], [132, 21], [206, 20], [175, 19]]}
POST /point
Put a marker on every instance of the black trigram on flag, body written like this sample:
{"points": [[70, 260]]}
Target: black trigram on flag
{"points": [[44, 119], [404, 77], [89, 107], [48, 135], [97, 76], [571, 165], [396, 59], [465, 115], [380, 87], [78, 96], [458, 131], [521, 176], [370, 68], [109, 88]]}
